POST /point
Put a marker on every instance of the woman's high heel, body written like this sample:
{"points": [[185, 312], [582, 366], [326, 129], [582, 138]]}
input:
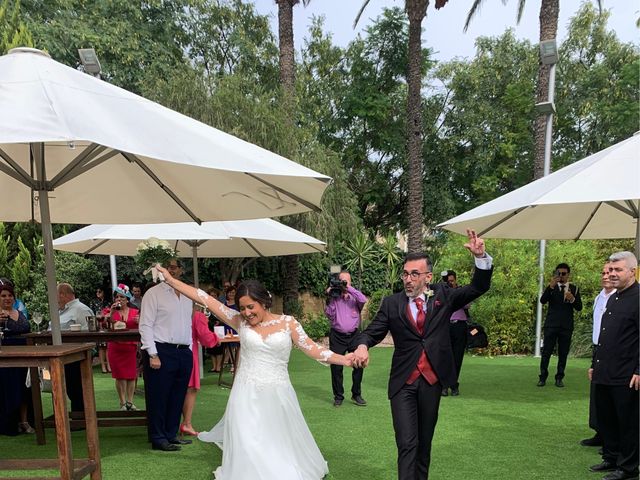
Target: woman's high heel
{"points": [[184, 430]]}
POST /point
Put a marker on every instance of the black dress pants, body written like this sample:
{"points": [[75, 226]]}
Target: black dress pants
{"points": [[341, 343], [562, 337], [73, 382], [458, 335], [166, 389], [618, 425], [415, 413]]}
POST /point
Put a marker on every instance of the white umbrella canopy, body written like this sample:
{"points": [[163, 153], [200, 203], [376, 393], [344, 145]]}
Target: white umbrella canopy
{"points": [[597, 197], [243, 238], [75, 149]]}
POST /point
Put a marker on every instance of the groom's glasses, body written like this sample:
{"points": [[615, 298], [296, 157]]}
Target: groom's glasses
{"points": [[415, 275]]}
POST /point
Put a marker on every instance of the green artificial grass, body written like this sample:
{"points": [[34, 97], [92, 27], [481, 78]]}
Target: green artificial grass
{"points": [[501, 426]]}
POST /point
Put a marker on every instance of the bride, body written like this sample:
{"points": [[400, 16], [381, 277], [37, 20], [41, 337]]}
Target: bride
{"points": [[263, 434]]}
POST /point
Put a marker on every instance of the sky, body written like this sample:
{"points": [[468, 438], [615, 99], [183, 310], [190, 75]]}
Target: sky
{"points": [[442, 29]]}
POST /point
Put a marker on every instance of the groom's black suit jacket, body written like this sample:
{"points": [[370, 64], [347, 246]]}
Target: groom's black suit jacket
{"points": [[392, 317]]}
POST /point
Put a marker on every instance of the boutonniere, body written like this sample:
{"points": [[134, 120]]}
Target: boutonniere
{"points": [[429, 293]]}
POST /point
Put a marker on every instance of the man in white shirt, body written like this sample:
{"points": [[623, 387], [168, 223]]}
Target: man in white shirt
{"points": [[72, 312], [599, 307], [165, 332]]}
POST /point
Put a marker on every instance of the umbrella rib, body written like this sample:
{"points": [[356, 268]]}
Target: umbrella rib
{"points": [[95, 162], [83, 157], [502, 220], [586, 224], [18, 172], [633, 208], [314, 247], [252, 247], [309, 205], [134, 159], [626, 211], [96, 246]]}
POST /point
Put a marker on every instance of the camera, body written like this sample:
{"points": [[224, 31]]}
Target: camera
{"points": [[556, 273], [336, 286]]}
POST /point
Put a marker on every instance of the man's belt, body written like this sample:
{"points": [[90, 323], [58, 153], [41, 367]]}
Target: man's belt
{"points": [[173, 345]]}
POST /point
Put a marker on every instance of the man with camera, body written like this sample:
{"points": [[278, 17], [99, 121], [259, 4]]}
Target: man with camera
{"points": [[563, 298], [344, 304]]}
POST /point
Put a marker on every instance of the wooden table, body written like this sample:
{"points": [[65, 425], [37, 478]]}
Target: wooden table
{"points": [[55, 357], [106, 418], [231, 345]]}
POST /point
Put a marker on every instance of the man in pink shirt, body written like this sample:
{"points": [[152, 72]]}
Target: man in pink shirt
{"points": [[343, 311]]}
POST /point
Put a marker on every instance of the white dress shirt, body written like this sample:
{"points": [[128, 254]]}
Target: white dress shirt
{"points": [[599, 306], [164, 318], [74, 312]]}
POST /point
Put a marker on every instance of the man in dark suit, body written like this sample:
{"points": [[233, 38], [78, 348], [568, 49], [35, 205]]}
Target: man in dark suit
{"points": [[615, 372], [418, 319], [563, 298]]}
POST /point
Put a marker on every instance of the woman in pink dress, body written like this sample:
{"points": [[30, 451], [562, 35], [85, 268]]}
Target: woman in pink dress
{"points": [[205, 337], [122, 355]]}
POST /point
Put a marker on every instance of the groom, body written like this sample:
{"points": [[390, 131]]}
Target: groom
{"points": [[422, 364]]}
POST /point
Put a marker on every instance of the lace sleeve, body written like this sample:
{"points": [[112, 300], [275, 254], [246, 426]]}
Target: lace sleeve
{"points": [[223, 313], [308, 346]]}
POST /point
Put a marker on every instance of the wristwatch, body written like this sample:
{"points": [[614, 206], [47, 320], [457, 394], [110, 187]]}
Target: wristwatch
{"points": [[153, 356]]}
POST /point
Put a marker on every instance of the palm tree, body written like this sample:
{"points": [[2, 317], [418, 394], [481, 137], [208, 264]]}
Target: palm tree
{"points": [[549, 13], [287, 82], [416, 11]]}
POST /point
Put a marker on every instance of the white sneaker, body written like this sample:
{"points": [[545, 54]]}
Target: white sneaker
{"points": [[123, 407], [131, 407]]}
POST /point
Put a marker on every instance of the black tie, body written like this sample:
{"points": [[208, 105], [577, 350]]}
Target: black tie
{"points": [[562, 288]]}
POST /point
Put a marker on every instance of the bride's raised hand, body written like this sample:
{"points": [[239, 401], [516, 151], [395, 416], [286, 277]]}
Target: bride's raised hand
{"points": [[164, 272]]}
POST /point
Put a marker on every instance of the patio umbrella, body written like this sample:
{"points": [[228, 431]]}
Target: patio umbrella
{"points": [[597, 197], [75, 149], [242, 238]]}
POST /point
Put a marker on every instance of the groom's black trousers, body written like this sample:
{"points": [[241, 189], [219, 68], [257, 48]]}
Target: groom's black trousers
{"points": [[415, 413]]}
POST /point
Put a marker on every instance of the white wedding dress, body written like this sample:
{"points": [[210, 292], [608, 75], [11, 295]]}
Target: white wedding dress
{"points": [[263, 435]]}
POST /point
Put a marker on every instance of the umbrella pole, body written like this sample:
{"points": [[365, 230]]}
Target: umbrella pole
{"points": [[541, 255], [47, 240]]}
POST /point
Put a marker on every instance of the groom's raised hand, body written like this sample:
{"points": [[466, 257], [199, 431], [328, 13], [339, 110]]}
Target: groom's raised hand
{"points": [[475, 244], [361, 357]]}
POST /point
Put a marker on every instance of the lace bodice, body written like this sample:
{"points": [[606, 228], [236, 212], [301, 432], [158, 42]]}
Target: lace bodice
{"points": [[264, 352]]}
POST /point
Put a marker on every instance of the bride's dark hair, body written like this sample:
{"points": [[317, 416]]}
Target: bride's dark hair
{"points": [[254, 290]]}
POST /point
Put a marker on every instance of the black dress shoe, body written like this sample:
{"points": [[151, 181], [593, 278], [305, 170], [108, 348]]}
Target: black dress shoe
{"points": [[165, 447], [445, 392], [337, 402], [359, 401], [177, 441], [594, 441], [603, 467], [541, 383], [455, 392], [620, 475], [559, 383]]}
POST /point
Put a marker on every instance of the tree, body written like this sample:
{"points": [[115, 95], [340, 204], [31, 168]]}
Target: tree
{"points": [[13, 31], [130, 38], [416, 11], [597, 88], [549, 12]]}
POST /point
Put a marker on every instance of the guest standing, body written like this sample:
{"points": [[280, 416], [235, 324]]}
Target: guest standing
{"points": [[563, 298], [122, 355], [201, 335], [13, 393], [343, 311], [165, 331], [616, 374]]}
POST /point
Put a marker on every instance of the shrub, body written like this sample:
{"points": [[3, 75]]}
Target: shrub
{"points": [[316, 325], [373, 305]]}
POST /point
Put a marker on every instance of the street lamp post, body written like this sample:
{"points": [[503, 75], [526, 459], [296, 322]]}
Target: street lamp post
{"points": [[548, 56]]}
